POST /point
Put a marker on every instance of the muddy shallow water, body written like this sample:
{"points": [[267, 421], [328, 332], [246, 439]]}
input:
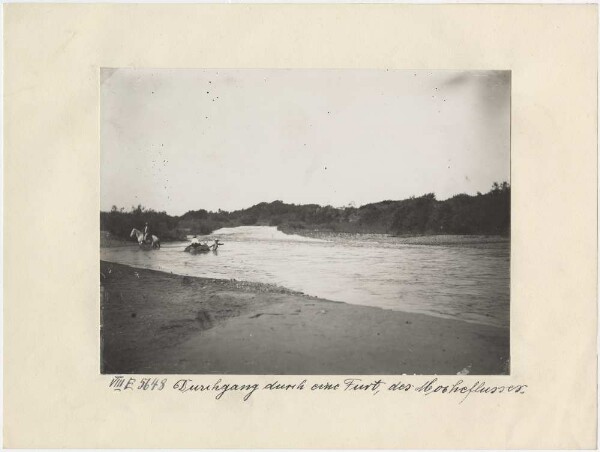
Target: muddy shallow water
{"points": [[466, 281]]}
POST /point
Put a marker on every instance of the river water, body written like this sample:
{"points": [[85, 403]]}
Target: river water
{"points": [[466, 281]]}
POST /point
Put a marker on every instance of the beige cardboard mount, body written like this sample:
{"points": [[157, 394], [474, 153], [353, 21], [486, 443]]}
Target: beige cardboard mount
{"points": [[54, 395]]}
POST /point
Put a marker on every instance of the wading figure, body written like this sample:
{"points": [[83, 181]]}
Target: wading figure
{"points": [[215, 245], [139, 235]]}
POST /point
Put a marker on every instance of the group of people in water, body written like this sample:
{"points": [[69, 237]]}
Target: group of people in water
{"points": [[195, 241]]}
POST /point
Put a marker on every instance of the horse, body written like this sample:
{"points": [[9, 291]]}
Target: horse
{"points": [[203, 247], [197, 248], [140, 238]]}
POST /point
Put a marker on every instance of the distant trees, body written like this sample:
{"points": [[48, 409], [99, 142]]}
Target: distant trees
{"points": [[120, 223], [462, 214], [414, 215], [484, 214]]}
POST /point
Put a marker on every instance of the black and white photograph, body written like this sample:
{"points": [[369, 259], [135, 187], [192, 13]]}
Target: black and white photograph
{"points": [[305, 221]]}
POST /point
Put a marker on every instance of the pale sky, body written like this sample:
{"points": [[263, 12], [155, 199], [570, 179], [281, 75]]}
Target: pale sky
{"points": [[185, 139]]}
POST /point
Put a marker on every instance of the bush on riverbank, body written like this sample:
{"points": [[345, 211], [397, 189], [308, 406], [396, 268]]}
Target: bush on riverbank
{"points": [[120, 223], [482, 214]]}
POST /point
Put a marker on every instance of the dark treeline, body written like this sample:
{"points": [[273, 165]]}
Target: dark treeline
{"points": [[482, 214], [120, 223]]}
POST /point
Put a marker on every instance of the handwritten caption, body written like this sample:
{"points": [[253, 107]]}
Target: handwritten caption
{"points": [[221, 389]]}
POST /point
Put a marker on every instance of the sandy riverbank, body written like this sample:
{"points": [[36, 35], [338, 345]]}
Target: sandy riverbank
{"points": [[155, 322]]}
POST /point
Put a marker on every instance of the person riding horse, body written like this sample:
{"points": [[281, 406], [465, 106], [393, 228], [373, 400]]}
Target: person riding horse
{"points": [[145, 239], [146, 232]]}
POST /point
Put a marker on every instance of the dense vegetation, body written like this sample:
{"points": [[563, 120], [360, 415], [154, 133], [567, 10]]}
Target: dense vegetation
{"points": [[485, 214], [120, 223]]}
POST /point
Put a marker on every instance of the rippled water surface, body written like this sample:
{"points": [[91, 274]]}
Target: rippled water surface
{"points": [[466, 281]]}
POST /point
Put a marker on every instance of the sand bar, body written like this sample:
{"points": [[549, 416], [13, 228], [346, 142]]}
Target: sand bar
{"points": [[160, 323]]}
